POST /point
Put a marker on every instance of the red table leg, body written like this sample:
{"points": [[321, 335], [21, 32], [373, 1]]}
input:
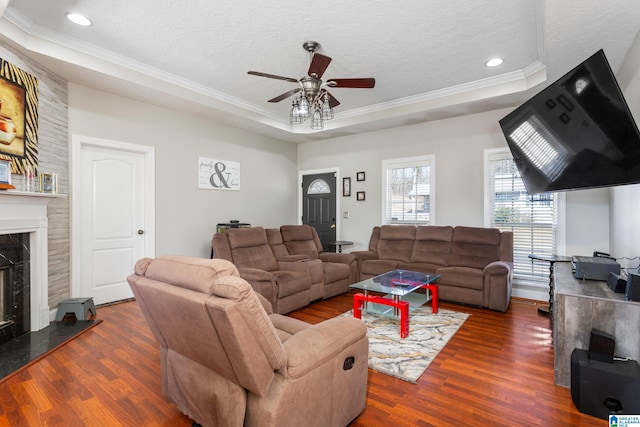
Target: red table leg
{"points": [[358, 299], [433, 287], [404, 319]]}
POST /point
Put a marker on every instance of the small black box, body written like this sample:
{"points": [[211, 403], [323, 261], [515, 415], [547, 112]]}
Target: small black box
{"points": [[632, 292], [601, 346], [617, 283]]}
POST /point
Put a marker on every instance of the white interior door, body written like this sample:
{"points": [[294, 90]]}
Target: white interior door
{"points": [[113, 231]]}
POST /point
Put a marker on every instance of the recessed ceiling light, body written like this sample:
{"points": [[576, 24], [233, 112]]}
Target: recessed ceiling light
{"points": [[494, 62], [76, 18]]}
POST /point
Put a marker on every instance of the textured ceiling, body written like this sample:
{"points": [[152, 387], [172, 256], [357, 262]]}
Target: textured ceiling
{"points": [[427, 56]]}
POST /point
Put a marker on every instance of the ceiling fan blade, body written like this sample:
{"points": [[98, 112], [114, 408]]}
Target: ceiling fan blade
{"points": [[365, 83], [333, 102], [319, 65], [272, 76], [284, 95]]}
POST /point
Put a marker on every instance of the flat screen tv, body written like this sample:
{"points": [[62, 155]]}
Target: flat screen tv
{"points": [[576, 133]]}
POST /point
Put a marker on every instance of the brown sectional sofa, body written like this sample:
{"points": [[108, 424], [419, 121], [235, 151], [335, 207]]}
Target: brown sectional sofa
{"points": [[287, 266], [475, 264]]}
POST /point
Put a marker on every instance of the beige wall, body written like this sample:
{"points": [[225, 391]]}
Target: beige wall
{"points": [[185, 215]]}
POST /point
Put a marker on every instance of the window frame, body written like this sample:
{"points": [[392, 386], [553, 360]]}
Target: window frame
{"points": [[415, 161], [559, 216]]}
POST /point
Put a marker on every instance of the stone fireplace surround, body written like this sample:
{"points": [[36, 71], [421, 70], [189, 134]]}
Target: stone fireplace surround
{"points": [[23, 212]]}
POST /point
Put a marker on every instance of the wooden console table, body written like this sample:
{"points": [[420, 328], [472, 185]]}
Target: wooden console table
{"points": [[581, 305]]}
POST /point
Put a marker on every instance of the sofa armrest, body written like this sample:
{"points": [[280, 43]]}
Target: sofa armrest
{"points": [[497, 277], [365, 255], [337, 257], [254, 274], [311, 347], [498, 267]]}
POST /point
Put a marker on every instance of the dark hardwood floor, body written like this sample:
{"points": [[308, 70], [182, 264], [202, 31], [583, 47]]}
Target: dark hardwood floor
{"points": [[497, 370]]}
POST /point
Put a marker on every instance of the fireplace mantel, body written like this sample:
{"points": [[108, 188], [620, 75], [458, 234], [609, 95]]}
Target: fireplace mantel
{"points": [[26, 212]]}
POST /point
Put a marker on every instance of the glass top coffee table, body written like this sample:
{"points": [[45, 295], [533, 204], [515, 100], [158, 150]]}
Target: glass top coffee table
{"points": [[399, 299]]}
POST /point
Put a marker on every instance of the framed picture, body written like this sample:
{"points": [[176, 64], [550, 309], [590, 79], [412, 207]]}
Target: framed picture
{"points": [[49, 183], [360, 176], [18, 117], [346, 187], [5, 172], [360, 195]]}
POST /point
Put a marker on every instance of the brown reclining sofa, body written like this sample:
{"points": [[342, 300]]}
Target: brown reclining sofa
{"points": [[475, 264]]}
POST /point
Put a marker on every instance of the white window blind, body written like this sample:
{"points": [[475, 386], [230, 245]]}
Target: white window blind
{"points": [[408, 196], [532, 218]]}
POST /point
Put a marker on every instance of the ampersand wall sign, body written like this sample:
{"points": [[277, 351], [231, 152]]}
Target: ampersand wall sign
{"points": [[218, 174]]}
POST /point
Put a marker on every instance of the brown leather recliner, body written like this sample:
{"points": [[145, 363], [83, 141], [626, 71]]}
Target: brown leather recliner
{"points": [[340, 269], [285, 284], [227, 360]]}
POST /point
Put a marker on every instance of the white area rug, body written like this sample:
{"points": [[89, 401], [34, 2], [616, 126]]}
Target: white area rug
{"points": [[408, 358]]}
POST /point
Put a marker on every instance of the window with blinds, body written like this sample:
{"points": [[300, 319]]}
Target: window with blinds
{"points": [[532, 218], [408, 190]]}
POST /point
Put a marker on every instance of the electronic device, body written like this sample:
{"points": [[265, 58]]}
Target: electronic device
{"points": [[616, 283], [632, 291], [601, 346], [594, 268], [576, 133], [601, 389]]}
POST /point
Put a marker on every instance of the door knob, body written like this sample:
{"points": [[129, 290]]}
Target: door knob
{"points": [[140, 231], [333, 226]]}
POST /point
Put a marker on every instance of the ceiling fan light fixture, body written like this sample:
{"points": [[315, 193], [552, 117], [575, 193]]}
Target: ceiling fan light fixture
{"points": [[79, 19], [295, 118], [316, 120], [327, 111], [304, 107], [312, 99]]}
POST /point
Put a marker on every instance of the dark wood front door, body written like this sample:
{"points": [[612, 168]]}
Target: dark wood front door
{"points": [[319, 205]]}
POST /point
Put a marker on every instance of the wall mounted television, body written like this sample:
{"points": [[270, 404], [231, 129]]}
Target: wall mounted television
{"points": [[576, 133]]}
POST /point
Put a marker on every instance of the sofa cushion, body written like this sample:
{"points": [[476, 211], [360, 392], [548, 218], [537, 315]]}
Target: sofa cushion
{"points": [[291, 282], [250, 248], [334, 271], [396, 242], [299, 239], [432, 245], [461, 277], [474, 247]]}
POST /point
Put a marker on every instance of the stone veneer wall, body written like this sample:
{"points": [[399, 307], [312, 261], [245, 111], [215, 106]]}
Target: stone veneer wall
{"points": [[53, 156]]}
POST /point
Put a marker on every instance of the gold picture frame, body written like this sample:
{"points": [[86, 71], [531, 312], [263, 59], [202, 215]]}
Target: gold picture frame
{"points": [[18, 115]]}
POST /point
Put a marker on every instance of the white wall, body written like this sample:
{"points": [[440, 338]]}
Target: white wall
{"points": [[185, 215], [458, 144], [625, 200]]}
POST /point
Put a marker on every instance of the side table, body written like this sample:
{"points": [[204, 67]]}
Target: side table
{"points": [[340, 243], [551, 259]]}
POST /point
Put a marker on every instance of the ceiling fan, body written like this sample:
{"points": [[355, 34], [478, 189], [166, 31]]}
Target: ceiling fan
{"points": [[315, 101]]}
